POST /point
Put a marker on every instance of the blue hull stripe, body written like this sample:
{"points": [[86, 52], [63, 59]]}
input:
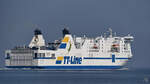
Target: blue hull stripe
{"points": [[68, 67], [83, 58], [95, 58], [103, 58], [123, 58]]}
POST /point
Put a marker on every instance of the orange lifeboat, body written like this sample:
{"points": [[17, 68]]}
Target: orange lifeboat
{"points": [[115, 45], [95, 46]]}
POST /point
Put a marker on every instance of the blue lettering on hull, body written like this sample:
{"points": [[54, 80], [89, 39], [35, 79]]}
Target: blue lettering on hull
{"points": [[72, 60]]}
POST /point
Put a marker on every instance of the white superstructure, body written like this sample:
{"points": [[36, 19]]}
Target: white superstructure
{"points": [[102, 52]]}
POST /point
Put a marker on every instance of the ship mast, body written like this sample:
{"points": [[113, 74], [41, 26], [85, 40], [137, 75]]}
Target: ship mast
{"points": [[110, 32]]}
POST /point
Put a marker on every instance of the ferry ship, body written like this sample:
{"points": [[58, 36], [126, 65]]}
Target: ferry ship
{"points": [[72, 52]]}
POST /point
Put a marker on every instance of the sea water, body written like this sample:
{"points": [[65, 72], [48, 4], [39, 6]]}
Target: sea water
{"points": [[74, 77]]}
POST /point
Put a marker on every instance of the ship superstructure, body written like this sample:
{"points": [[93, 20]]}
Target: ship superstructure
{"points": [[102, 52]]}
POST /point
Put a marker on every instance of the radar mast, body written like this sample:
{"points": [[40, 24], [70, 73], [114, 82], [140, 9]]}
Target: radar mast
{"points": [[110, 32]]}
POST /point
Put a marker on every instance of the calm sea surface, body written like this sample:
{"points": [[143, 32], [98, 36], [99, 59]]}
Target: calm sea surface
{"points": [[74, 77]]}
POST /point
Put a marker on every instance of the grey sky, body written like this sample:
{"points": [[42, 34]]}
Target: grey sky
{"points": [[90, 17]]}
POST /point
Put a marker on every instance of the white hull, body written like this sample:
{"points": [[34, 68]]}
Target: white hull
{"points": [[72, 53]]}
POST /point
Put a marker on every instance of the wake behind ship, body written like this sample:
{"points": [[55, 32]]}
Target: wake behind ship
{"points": [[102, 52]]}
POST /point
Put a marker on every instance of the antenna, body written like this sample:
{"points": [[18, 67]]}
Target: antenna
{"points": [[110, 32], [104, 35], [35, 26], [65, 26]]}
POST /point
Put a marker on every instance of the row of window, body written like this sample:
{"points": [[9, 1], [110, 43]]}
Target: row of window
{"points": [[39, 55], [36, 55], [42, 55]]}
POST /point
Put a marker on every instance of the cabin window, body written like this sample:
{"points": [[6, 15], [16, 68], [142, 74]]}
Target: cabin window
{"points": [[48, 54], [125, 47], [42, 54], [39, 55], [53, 55], [114, 49], [96, 41], [116, 38], [35, 55]]}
